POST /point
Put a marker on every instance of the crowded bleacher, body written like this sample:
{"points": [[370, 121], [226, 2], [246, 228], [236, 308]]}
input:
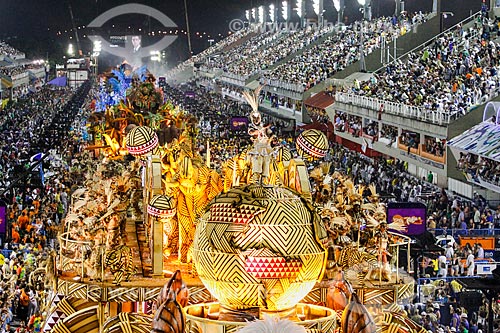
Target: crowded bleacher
{"points": [[261, 55], [338, 51], [39, 124], [456, 72], [9, 51], [214, 49]]}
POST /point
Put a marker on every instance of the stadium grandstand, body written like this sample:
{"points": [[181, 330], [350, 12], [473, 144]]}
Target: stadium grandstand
{"points": [[18, 75], [396, 87]]}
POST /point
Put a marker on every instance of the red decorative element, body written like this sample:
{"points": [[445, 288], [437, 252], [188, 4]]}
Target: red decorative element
{"points": [[272, 267], [145, 148], [161, 213], [238, 216], [310, 149]]}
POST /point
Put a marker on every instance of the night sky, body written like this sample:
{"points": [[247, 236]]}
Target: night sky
{"points": [[34, 25]]}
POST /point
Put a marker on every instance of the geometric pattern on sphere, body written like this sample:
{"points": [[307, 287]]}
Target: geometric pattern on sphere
{"points": [[255, 246]]}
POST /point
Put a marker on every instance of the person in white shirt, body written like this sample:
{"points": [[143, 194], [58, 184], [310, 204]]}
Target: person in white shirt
{"points": [[443, 266], [480, 252], [470, 264], [449, 251]]}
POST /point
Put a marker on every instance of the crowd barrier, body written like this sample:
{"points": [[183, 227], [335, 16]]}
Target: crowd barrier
{"points": [[469, 232], [399, 109]]}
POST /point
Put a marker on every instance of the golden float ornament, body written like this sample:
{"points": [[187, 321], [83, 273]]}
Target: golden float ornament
{"points": [[141, 140], [259, 249], [162, 206], [312, 145]]}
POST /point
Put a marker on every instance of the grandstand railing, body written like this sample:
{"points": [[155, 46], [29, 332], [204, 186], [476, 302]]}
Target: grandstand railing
{"points": [[469, 232], [426, 287], [399, 109], [296, 87]]}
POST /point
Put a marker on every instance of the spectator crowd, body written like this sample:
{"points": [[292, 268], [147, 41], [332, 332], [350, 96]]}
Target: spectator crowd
{"points": [[39, 124], [456, 71]]}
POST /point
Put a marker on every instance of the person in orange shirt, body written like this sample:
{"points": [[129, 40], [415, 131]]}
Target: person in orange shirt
{"points": [[23, 220], [36, 204], [15, 235]]}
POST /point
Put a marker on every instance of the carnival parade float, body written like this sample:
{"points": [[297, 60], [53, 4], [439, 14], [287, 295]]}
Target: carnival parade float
{"points": [[158, 241]]}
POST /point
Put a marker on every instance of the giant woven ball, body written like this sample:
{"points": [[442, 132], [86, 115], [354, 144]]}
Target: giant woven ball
{"points": [[141, 140], [312, 145], [260, 247], [162, 206]]}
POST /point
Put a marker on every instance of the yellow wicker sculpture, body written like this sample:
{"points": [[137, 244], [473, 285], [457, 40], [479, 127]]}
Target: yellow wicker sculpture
{"points": [[259, 248], [193, 185]]}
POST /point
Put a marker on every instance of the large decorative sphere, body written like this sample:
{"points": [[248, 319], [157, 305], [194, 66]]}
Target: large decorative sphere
{"points": [[284, 154], [141, 140], [162, 206], [312, 145], [260, 247]]}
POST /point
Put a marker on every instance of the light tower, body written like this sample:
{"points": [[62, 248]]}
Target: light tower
{"points": [[301, 11], [339, 7], [272, 13], [285, 12]]}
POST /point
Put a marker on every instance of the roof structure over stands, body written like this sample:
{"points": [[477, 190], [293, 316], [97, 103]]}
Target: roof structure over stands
{"points": [[58, 81], [321, 100], [482, 139]]}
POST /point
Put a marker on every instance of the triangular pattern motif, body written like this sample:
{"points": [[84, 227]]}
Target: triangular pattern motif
{"points": [[53, 319], [227, 213], [272, 267]]}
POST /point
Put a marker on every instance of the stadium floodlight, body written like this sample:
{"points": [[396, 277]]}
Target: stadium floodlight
{"points": [[300, 7], [316, 6], [336, 4], [271, 12], [254, 12], [284, 10], [247, 14], [261, 14]]}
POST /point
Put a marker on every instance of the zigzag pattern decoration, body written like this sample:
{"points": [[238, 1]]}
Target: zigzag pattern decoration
{"points": [[315, 296], [84, 320], [406, 291], [128, 323], [310, 261], [239, 295], [192, 327], [199, 295], [378, 296]]}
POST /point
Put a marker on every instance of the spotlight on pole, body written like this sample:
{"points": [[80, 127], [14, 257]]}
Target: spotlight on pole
{"points": [[261, 14], [247, 14], [316, 6], [284, 10], [71, 51], [271, 12]]}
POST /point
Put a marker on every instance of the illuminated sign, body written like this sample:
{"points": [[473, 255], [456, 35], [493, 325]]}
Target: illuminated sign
{"points": [[412, 214]]}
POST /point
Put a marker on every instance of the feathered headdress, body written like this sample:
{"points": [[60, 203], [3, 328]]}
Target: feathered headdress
{"points": [[272, 325], [252, 98]]}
